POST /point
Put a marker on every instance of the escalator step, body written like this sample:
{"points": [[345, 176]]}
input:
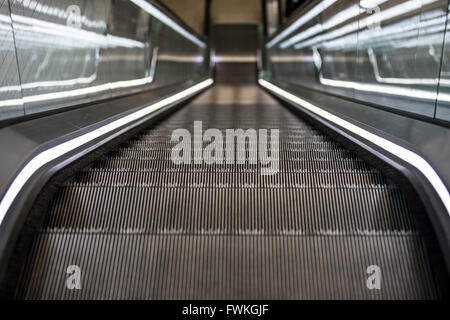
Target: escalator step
{"points": [[142, 227]]}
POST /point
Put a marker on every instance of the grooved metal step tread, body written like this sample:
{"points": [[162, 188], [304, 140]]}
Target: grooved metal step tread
{"points": [[141, 227]]}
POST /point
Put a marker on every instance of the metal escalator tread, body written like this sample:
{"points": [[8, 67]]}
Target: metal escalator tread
{"points": [[141, 227]]}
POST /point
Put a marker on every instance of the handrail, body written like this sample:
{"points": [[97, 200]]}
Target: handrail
{"points": [[172, 14], [169, 18], [294, 17]]}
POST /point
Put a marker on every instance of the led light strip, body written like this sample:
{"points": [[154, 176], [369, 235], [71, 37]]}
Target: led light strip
{"points": [[152, 10], [406, 155], [57, 151], [237, 59]]}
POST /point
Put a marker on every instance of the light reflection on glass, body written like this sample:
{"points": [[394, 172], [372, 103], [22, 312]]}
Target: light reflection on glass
{"points": [[443, 105], [384, 52], [11, 104], [116, 49]]}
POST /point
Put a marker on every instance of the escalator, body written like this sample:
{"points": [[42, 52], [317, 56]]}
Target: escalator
{"points": [[139, 226]]}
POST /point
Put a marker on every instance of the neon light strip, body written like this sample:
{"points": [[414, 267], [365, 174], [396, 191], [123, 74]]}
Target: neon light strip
{"points": [[237, 59], [406, 155], [57, 151], [167, 21]]}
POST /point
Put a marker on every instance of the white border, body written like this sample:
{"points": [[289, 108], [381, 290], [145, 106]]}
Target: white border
{"points": [[59, 150], [406, 155]]}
